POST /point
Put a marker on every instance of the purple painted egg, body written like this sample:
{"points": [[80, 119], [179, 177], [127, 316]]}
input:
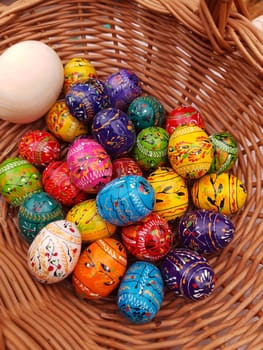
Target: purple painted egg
{"points": [[89, 165], [85, 99], [188, 274], [113, 129], [123, 87], [206, 231]]}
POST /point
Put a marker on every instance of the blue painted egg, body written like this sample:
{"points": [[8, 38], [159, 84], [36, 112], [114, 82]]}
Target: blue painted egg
{"points": [[188, 274], [141, 292], [37, 211], [125, 200], [87, 98], [123, 87], [205, 231], [113, 129]]}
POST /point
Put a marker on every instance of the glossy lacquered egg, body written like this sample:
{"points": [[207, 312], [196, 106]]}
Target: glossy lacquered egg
{"points": [[39, 147], [18, 180], [188, 274], [89, 165], [190, 151], [171, 193], [223, 192], [125, 166], [53, 254], [113, 129], [90, 224], [225, 149], [125, 200], [77, 69], [56, 182], [150, 149], [205, 231], [146, 111], [100, 268], [141, 292], [183, 115], [149, 239], [123, 87], [37, 211], [85, 99], [62, 124]]}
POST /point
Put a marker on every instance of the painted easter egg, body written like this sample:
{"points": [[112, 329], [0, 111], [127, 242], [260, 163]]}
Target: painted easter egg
{"points": [[205, 231], [113, 129], [183, 115], [141, 292], [62, 124], [90, 224], [89, 165], [171, 193], [149, 239], [77, 69], [35, 212], [190, 151], [18, 180], [54, 253], [188, 274], [146, 111], [100, 268], [223, 192], [85, 99], [125, 166], [39, 147], [123, 87], [225, 149], [125, 200], [150, 149], [56, 182]]}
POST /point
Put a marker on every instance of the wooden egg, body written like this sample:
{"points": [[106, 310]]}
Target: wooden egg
{"points": [[62, 124], [223, 192], [53, 254], [171, 193], [18, 180], [149, 239], [125, 166], [90, 224], [141, 292], [190, 151], [100, 268]]}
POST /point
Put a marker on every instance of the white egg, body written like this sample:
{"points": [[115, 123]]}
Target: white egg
{"points": [[31, 80]]}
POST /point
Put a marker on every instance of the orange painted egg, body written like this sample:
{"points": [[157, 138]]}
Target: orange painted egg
{"points": [[190, 151], [171, 193], [223, 192], [100, 268], [90, 224], [54, 252]]}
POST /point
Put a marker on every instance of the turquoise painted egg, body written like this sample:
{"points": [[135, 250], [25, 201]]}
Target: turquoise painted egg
{"points": [[37, 211], [141, 292]]}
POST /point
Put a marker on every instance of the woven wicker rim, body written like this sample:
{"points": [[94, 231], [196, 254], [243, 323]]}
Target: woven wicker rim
{"points": [[180, 61]]}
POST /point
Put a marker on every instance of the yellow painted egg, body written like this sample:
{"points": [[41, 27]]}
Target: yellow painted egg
{"points": [[54, 252], [77, 69], [171, 193], [224, 193], [62, 124], [90, 224], [190, 151]]}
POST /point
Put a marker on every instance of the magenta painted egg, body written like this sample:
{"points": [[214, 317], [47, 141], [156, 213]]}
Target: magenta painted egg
{"points": [[89, 164], [125, 166], [149, 239], [39, 147]]}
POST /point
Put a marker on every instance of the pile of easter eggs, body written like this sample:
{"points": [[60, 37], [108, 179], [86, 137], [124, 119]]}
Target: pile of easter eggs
{"points": [[137, 204]]}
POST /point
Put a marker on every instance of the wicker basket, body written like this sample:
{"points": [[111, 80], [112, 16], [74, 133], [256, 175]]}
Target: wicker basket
{"points": [[206, 54]]}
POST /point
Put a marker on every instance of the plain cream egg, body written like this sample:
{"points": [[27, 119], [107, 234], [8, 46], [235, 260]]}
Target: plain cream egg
{"points": [[31, 80]]}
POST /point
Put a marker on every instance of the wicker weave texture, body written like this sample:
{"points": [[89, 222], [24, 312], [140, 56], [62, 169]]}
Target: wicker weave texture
{"points": [[178, 66]]}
